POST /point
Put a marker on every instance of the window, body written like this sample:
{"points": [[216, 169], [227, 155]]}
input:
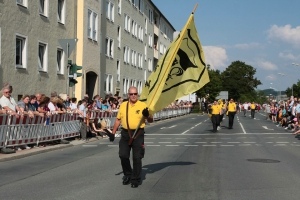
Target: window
{"points": [[141, 6], [118, 71], [150, 15], [134, 28], [110, 11], [61, 9], [125, 85], [140, 60], [146, 23], [22, 3], [108, 83], [150, 65], [127, 23], [161, 48], [21, 51], [42, 57], [133, 58], [43, 7], [92, 25], [140, 33], [109, 47], [119, 37], [119, 6], [126, 54], [139, 86], [145, 52], [60, 61], [150, 40]]}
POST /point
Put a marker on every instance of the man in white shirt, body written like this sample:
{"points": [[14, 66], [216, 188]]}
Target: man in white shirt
{"points": [[245, 108], [8, 103]]}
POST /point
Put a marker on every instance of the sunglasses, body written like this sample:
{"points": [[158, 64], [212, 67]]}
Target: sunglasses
{"points": [[133, 94], [7, 92]]}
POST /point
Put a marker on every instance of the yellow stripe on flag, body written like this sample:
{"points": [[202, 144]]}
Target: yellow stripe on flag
{"points": [[179, 72]]}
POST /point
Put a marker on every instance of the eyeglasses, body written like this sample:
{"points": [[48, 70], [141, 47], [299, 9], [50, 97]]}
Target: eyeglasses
{"points": [[9, 92], [133, 94]]}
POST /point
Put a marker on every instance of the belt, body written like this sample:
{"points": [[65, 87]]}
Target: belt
{"points": [[132, 129]]}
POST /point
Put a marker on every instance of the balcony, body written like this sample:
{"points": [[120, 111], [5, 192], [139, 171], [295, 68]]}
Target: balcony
{"points": [[156, 30]]}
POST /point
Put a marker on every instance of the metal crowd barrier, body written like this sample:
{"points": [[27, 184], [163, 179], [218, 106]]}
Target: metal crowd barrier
{"points": [[22, 131], [25, 130], [171, 112]]}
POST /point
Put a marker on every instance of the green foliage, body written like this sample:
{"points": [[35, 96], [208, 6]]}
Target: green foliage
{"points": [[296, 90], [238, 79], [212, 88]]}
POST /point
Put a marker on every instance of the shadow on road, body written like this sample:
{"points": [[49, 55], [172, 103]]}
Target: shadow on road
{"points": [[152, 168]]}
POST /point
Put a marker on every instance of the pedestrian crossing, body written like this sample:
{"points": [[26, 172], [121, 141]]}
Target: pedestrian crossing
{"points": [[208, 141]]}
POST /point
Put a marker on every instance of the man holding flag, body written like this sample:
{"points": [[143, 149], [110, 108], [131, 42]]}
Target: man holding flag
{"points": [[132, 115], [179, 72]]}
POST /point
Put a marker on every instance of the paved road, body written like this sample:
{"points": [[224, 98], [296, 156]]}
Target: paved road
{"points": [[184, 160]]}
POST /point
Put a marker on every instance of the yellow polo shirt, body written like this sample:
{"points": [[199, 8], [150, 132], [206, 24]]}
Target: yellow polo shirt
{"points": [[134, 114], [231, 107], [215, 109], [252, 106]]}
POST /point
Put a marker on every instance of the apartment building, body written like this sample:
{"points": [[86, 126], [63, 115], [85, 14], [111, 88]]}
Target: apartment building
{"points": [[31, 58], [136, 35], [118, 44]]}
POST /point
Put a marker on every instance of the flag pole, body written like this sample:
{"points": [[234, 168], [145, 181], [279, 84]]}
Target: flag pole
{"points": [[194, 10], [142, 119]]}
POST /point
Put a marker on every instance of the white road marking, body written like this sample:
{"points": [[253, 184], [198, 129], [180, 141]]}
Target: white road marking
{"points": [[89, 145], [209, 145], [105, 143], [165, 138], [201, 142], [265, 127], [173, 126], [196, 138], [282, 142], [112, 145], [280, 145], [148, 142], [165, 142], [233, 142], [210, 138], [150, 145], [227, 145], [249, 142], [243, 128], [172, 145], [180, 138], [185, 132], [162, 127], [244, 144], [182, 142], [216, 142], [190, 145], [269, 142]]}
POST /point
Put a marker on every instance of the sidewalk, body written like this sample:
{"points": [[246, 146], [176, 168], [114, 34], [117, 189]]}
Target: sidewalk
{"points": [[34, 151]]}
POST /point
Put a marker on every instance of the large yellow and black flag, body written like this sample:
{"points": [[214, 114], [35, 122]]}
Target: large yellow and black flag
{"points": [[179, 72]]}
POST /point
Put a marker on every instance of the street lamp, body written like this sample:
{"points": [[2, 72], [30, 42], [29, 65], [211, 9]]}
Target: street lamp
{"points": [[282, 74]]}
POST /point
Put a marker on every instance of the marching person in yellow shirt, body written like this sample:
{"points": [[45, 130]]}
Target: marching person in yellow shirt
{"points": [[252, 106], [231, 107], [215, 118]]}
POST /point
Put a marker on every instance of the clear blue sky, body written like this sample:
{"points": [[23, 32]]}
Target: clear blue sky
{"points": [[262, 33]]}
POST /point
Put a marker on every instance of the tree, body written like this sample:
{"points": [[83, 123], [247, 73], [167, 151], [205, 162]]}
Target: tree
{"points": [[213, 88], [296, 90], [238, 79]]}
